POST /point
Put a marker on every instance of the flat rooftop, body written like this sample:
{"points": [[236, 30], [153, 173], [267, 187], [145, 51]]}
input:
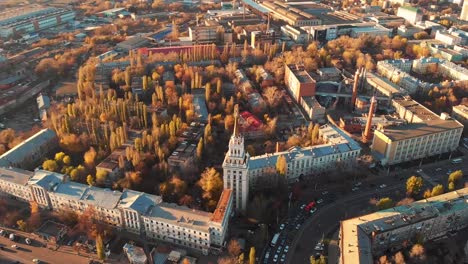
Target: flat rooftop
{"points": [[223, 203], [300, 73], [356, 233], [14, 175], [383, 85], [181, 216], [104, 198]]}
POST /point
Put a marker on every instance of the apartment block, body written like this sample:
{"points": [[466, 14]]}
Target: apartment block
{"points": [[426, 134], [365, 238]]}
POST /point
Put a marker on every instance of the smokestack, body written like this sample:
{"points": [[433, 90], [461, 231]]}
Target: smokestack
{"points": [[367, 135], [355, 87]]}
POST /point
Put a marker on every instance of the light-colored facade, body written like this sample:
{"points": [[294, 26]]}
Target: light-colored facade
{"points": [[32, 18], [243, 173], [296, 34], [367, 237], [313, 108], [204, 34], [30, 151], [411, 14], [426, 134], [460, 112], [464, 12], [136, 212]]}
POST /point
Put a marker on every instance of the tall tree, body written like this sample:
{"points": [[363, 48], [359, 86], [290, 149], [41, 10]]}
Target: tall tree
{"points": [[100, 247], [252, 255]]}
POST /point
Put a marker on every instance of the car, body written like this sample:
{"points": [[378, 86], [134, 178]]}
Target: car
{"points": [[449, 172], [419, 170], [357, 184], [286, 249], [313, 210], [381, 186], [275, 258], [283, 257], [438, 169], [298, 226], [355, 189], [28, 241], [303, 206], [319, 201], [36, 120], [324, 192], [36, 261], [2, 247], [14, 246], [281, 226], [279, 249], [318, 248]]}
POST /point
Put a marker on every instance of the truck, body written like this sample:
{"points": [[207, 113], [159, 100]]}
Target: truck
{"points": [[275, 239]]}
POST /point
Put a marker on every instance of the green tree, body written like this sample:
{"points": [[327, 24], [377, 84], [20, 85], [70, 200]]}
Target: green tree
{"points": [[281, 165], [252, 255], [414, 185], [100, 247], [50, 165], [385, 203]]}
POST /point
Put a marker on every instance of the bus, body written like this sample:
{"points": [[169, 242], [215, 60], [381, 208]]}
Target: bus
{"points": [[457, 160], [275, 239]]}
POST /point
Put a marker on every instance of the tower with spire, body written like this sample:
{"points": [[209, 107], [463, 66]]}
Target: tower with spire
{"points": [[235, 167]]}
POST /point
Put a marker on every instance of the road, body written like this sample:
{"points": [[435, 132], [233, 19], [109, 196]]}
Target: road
{"points": [[27, 253], [326, 220]]}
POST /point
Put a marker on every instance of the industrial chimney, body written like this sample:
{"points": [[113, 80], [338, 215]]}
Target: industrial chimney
{"points": [[367, 135], [357, 77]]}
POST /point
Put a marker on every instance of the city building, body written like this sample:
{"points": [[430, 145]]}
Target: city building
{"points": [[26, 154], [426, 134], [452, 37], [260, 38], [289, 14], [135, 254], [132, 43], [141, 213], [250, 126], [412, 15], [244, 173], [460, 113], [376, 30], [464, 12], [365, 238], [205, 34], [299, 82], [313, 108], [32, 18], [397, 71], [296, 34], [382, 86]]}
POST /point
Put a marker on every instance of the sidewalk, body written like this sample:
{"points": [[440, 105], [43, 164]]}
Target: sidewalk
{"points": [[334, 249]]}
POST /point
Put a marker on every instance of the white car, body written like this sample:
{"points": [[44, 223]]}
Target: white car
{"points": [[358, 184], [28, 241], [281, 226], [382, 186], [313, 210], [319, 201], [324, 192], [286, 249], [275, 258], [298, 226], [36, 261], [355, 189], [438, 169], [283, 257], [14, 246]]}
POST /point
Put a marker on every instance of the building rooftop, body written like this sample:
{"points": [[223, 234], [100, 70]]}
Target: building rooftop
{"points": [[181, 216], [72, 190], [51, 228], [423, 122], [357, 233], [104, 198], [46, 179], [220, 211], [461, 110], [135, 254], [383, 85], [338, 142], [23, 150], [311, 102], [14, 175], [300, 73], [138, 201]]}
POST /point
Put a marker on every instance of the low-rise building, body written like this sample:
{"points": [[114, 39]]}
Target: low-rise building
{"points": [[14, 182], [364, 238], [132, 43], [289, 14], [412, 15], [313, 108], [426, 134], [296, 34], [205, 34], [135, 255], [376, 30]]}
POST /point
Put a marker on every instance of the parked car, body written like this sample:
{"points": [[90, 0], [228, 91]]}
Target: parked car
{"points": [[357, 184], [313, 210], [319, 201], [438, 169], [286, 249], [381, 186], [281, 226], [36, 261], [15, 246], [283, 258], [275, 258], [354, 189], [28, 241], [324, 192]]}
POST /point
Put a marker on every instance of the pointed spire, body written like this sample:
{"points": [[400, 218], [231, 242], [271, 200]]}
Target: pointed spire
{"points": [[236, 118]]}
